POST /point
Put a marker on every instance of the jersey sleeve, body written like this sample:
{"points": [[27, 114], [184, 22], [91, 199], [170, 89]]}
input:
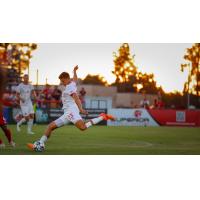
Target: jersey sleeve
{"points": [[31, 87], [71, 89]]}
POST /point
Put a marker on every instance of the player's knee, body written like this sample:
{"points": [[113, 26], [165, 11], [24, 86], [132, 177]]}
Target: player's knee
{"points": [[50, 126]]}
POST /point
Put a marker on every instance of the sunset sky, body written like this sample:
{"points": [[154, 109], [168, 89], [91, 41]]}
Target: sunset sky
{"points": [[162, 59]]}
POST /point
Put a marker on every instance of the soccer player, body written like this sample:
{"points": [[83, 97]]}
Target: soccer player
{"points": [[24, 93], [72, 108], [5, 129], [3, 123]]}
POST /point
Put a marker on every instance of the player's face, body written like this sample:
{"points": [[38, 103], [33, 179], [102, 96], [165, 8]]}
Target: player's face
{"points": [[26, 79], [64, 81]]}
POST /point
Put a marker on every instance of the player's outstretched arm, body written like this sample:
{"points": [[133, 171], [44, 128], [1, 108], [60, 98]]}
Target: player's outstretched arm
{"points": [[78, 102], [75, 77]]}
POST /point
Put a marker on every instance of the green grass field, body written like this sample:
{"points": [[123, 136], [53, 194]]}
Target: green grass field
{"points": [[103, 140]]}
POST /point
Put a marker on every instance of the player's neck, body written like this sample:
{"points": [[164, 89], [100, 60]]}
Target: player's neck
{"points": [[67, 83]]}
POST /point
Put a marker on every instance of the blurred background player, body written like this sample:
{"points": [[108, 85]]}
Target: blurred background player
{"points": [[72, 108], [24, 93], [3, 123], [5, 129]]}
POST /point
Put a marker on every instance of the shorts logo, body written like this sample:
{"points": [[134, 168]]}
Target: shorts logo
{"points": [[138, 113], [70, 116]]}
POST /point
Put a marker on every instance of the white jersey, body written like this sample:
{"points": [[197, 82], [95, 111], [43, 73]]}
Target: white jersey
{"points": [[67, 100], [25, 93]]}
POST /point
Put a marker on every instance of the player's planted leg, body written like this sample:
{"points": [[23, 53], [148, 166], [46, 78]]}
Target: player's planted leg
{"points": [[20, 123], [52, 126], [30, 125]]}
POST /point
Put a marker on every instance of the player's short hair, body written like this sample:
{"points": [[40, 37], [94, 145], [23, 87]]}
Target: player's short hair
{"points": [[64, 75]]}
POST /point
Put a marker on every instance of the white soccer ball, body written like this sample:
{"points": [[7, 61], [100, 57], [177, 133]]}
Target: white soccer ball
{"points": [[39, 146]]}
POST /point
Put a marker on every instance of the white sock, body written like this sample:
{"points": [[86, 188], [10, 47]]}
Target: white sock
{"points": [[43, 139], [88, 124], [30, 124], [21, 121], [94, 121], [97, 120]]}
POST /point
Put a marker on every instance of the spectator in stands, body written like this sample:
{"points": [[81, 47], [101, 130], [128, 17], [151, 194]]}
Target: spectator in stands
{"points": [[47, 92], [56, 95], [144, 103], [47, 95], [158, 103], [43, 102], [82, 94]]}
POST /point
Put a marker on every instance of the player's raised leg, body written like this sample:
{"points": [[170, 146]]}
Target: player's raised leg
{"points": [[83, 126]]}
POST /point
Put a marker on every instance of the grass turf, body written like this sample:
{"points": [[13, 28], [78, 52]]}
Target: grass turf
{"points": [[104, 140]]}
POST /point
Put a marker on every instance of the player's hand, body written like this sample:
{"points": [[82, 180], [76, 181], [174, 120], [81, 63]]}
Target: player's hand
{"points": [[85, 112], [76, 68]]}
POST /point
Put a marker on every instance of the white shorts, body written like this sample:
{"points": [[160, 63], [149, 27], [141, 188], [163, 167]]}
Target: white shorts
{"points": [[27, 109], [67, 117]]}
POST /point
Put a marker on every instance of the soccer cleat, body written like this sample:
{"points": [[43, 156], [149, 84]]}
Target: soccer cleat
{"points": [[107, 117], [2, 146], [12, 144], [18, 128], [104, 116], [110, 117], [31, 146], [30, 133]]}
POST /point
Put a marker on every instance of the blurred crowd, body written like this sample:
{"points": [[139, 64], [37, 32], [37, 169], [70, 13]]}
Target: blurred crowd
{"points": [[49, 97], [157, 104]]}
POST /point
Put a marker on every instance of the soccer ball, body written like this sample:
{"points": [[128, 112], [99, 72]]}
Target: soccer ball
{"points": [[39, 146]]}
